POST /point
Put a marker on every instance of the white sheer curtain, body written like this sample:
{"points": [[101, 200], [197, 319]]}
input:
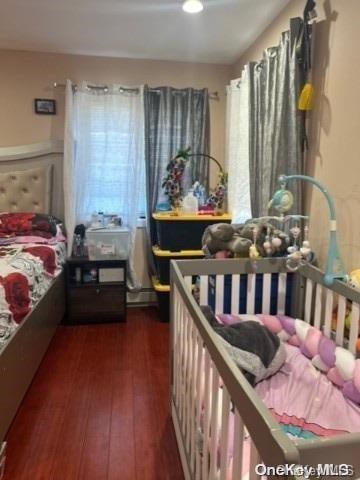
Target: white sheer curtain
{"points": [[68, 169], [237, 148], [104, 157]]}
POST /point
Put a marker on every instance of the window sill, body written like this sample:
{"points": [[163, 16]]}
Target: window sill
{"points": [[141, 223]]}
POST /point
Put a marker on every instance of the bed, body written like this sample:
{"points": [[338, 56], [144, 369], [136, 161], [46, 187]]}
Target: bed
{"points": [[30, 181], [224, 426]]}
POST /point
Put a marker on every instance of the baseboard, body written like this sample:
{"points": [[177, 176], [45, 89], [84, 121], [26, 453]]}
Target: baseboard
{"points": [[146, 296]]}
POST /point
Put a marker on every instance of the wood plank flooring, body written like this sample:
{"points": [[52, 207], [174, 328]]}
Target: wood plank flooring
{"points": [[98, 408]]}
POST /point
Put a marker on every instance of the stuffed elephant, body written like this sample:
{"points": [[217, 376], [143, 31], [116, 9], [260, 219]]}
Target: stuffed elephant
{"points": [[223, 237], [236, 239]]}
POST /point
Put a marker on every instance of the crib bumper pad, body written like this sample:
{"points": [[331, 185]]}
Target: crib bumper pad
{"points": [[301, 398], [339, 364]]}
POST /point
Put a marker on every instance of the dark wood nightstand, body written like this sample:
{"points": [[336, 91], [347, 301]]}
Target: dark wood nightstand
{"points": [[95, 290]]}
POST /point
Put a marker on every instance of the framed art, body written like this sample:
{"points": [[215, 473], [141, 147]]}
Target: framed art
{"points": [[45, 106]]}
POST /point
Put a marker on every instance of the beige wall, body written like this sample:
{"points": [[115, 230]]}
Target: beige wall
{"points": [[27, 75], [334, 156], [335, 121], [270, 37]]}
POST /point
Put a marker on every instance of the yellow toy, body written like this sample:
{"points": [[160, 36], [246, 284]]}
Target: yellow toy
{"points": [[253, 252], [354, 281]]}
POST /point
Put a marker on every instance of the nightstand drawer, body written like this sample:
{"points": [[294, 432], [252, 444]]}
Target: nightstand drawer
{"points": [[111, 275], [90, 301]]}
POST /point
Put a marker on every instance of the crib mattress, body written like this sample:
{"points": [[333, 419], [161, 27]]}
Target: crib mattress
{"points": [[302, 399], [305, 402]]}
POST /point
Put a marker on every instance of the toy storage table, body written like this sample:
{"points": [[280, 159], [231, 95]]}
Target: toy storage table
{"points": [[177, 232], [179, 237]]}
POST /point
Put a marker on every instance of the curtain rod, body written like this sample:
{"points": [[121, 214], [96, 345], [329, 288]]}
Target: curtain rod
{"points": [[212, 95]]}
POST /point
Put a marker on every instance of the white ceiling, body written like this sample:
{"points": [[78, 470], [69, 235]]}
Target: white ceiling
{"points": [[136, 28]]}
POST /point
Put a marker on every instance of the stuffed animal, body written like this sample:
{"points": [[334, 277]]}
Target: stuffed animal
{"points": [[237, 239], [222, 237], [354, 281]]}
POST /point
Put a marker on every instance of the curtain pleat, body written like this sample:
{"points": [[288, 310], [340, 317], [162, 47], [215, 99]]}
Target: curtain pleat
{"points": [[68, 167], [237, 148]]}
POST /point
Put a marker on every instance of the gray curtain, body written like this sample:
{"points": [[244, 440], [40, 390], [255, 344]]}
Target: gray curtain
{"points": [[174, 119], [276, 126]]}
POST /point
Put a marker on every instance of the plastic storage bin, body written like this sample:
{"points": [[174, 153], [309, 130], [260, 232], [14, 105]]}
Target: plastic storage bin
{"points": [[163, 257], [184, 231], [108, 242]]}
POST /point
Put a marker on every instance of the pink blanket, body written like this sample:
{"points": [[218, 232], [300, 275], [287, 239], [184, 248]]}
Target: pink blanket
{"points": [[305, 402]]}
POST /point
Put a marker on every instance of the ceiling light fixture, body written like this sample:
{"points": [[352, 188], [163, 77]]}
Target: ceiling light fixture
{"points": [[193, 6]]}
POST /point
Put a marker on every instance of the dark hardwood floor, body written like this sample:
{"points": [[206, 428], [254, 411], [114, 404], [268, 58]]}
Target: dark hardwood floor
{"points": [[98, 407]]}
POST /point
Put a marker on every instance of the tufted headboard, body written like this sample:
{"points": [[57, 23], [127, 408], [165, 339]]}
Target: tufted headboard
{"points": [[26, 190], [31, 179]]}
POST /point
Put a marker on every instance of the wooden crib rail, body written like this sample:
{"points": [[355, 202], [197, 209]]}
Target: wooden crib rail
{"points": [[337, 450], [317, 276], [271, 442], [230, 266], [313, 300], [316, 302], [266, 268], [199, 363]]}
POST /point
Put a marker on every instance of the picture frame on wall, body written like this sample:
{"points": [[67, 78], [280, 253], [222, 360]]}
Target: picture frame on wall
{"points": [[45, 106]]}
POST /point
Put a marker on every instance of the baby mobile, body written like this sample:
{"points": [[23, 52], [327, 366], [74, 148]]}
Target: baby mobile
{"points": [[282, 202], [273, 244], [172, 182], [297, 254]]}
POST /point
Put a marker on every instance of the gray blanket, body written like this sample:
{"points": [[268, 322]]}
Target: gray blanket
{"points": [[258, 352]]}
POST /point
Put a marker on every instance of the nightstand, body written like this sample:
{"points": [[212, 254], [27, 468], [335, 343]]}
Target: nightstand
{"points": [[95, 290]]}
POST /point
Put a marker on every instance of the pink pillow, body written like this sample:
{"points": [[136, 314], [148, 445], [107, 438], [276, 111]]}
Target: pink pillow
{"points": [[334, 376], [271, 322], [288, 324], [350, 391], [356, 378], [327, 351], [312, 341], [294, 340], [319, 364]]}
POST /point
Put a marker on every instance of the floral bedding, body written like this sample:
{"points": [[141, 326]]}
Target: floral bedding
{"points": [[26, 272], [27, 223]]}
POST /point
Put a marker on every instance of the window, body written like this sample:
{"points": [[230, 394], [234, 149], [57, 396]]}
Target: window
{"points": [[110, 153]]}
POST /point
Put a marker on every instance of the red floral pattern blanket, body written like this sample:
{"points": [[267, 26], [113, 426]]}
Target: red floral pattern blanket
{"points": [[40, 224], [26, 272]]}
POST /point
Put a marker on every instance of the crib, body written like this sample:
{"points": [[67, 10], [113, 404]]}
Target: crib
{"points": [[198, 363]]}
